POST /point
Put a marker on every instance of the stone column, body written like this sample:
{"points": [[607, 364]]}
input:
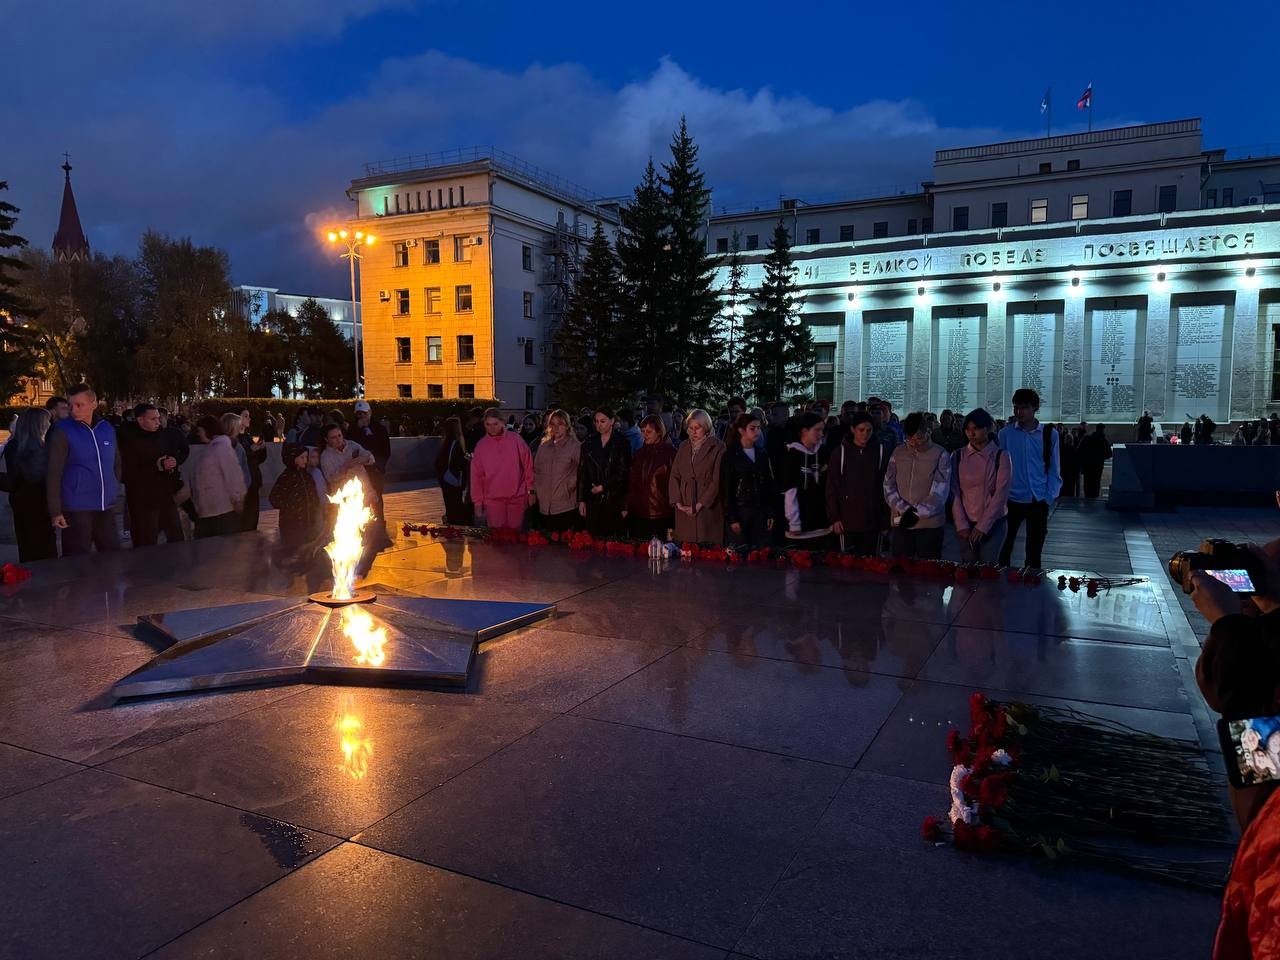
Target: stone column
{"points": [[918, 371], [851, 384], [1073, 359], [993, 369], [1155, 368], [1245, 362]]}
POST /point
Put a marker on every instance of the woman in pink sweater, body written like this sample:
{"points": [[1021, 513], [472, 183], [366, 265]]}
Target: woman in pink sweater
{"points": [[501, 475]]}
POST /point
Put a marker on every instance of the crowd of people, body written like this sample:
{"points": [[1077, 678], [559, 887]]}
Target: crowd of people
{"points": [[858, 479], [66, 466]]}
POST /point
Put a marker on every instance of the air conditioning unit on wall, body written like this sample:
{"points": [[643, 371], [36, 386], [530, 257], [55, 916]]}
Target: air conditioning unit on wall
{"points": [[413, 243], [384, 296], [1254, 201], [520, 341]]}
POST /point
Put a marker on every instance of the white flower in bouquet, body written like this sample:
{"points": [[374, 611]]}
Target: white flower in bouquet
{"points": [[1001, 758]]}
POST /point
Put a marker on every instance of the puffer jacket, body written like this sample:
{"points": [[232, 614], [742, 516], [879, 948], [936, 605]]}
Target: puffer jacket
{"points": [[555, 475], [219, 486], [920, 479]]}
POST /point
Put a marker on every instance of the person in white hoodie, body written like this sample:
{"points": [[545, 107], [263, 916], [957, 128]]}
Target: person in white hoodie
{"points": [[803, 491], [219, 487]]}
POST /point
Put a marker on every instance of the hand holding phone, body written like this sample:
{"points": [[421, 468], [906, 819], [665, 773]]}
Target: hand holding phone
{"points": [[1238, 580]]}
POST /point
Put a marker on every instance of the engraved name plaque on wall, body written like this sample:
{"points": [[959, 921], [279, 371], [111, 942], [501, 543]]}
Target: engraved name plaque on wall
{"points": [[957, 365], [1034, 358], [885, 354], [1197, 360], [1110, 391]]}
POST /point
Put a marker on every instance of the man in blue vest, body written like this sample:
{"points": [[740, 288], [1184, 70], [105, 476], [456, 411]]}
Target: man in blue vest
{"points": [[84, 477]]}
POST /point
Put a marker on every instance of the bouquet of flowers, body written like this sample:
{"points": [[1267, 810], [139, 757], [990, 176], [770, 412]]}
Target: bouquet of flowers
{"points": [[1058, 783]]}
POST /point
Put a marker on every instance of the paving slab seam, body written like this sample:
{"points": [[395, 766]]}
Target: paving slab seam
{"points": [[43, 783], [720, 743], [490, 881]]}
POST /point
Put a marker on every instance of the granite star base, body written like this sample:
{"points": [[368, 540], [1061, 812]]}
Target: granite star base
{"points": [[430, 642]]}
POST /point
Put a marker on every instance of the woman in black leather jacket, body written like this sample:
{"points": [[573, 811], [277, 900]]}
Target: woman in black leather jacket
{"points": [[749, 487], [604, 468]]}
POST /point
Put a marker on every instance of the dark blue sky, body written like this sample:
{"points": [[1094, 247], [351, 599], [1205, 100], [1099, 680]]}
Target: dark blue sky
{"points": [[240, 123]]}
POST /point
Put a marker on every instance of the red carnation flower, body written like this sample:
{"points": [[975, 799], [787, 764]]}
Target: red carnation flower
{"points": [[931, 830]]}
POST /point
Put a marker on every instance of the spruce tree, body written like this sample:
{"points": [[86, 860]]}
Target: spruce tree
{"points": [[733, 297], [643, 257], [592, 363], [777, 346], [692, 304], [20, 352]]}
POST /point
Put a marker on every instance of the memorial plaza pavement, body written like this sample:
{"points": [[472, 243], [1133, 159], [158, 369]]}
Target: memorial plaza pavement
{"points": [[688, 761]]}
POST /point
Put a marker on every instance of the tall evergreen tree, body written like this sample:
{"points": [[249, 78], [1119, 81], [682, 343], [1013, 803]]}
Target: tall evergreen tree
{"points": [[592, 364], [643, 258], [692, 303], [325, 356], [733, 297], [20, 339], [777, 345]]}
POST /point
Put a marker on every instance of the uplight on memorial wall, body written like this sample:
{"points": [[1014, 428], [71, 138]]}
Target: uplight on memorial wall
{"points": [[1161, 279], [1249, 275], [1075, 286], [997, 289]]}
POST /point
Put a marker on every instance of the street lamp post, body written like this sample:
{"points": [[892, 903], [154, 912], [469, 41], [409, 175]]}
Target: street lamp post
{"points": [[352, 243]]}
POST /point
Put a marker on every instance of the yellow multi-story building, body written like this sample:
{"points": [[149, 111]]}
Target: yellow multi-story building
{"points": [[463, 289]]}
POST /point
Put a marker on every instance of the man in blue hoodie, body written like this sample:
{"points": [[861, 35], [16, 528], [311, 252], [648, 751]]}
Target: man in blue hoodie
{"points": [[84, 477]]}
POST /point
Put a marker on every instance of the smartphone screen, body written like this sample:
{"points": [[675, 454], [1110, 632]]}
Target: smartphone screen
{"points": [[1251, 748], [1238, 580]]}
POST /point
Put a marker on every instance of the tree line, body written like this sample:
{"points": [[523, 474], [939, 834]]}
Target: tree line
{"points": [[161, 324], [646, 317]]}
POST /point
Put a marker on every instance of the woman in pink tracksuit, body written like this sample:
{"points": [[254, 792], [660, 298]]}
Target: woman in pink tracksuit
{"points": [[501, 474]]}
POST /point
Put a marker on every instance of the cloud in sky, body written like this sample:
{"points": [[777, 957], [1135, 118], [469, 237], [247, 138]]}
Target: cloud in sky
{"points": [[165, 136]]}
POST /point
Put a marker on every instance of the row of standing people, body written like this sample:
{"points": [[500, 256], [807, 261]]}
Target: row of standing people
{"points": [[847, 488]]}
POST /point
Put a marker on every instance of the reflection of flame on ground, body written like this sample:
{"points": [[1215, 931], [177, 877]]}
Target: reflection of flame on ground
{"points": [[356, 747], [348, 536], [367, 640]]}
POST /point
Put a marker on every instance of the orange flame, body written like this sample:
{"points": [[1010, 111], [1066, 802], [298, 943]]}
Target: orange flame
{"points": [[356, 747], [368, 640], [348, 536]]}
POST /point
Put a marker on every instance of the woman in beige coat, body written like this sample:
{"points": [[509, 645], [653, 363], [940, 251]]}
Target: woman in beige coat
{"points": [[555, 475], [695, 483]]}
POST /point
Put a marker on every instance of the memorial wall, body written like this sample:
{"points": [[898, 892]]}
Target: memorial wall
{"points": [[1180, 322]]}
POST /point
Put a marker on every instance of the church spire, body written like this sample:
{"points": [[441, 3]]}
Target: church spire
{"points": [[69, 243]]}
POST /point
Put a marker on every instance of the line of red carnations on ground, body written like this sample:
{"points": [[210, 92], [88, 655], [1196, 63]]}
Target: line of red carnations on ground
{"points": [[765, 556], [12, 573]]}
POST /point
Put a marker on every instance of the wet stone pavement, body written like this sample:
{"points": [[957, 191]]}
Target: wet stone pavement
{"points": [[689, 762]]}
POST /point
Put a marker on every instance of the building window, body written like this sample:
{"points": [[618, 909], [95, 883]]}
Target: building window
{"points": [[722, 244], [1000, 214], [1073, 164], [926, 224], [400, 251], [1228, 196], [959, 218], [430, 248], [528, 305], [385, 206], [824, 371], [1211, 197], [753, 241], [466, 348], [528, 351], [462, 298], [812, 235], [466, 391], [462, 195], [404, 390], [913, 226], [1275, 363], [880, 229], [1040, 210], [526, 257], [404, 352], [1080, 206], [846, 233], [435, 350], [461, 250], [528, 397], [435, 391], [1046, 168], [451, 196], [1167, 198], [1121, 203], [402, 303], [431, 299]]}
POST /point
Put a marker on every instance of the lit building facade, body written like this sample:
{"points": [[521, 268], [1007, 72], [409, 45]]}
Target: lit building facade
{"points": [[1115, 271], [466, 282], [253, 303]]}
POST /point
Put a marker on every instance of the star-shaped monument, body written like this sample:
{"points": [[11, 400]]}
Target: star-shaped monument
{"points": [[382, 641]]}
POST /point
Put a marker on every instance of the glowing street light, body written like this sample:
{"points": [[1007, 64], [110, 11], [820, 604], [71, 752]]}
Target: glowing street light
{"points": [[351, 244]]}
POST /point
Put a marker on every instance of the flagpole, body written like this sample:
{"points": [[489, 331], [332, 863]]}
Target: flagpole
{"points": [[1091, 106], [1048, 122]]}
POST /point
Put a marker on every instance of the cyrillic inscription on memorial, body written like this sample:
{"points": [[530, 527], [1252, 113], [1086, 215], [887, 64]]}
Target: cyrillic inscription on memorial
{"points": [[1197, 359], [886, 361], [1110, 391], [956, 366], [1034, 361]]}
